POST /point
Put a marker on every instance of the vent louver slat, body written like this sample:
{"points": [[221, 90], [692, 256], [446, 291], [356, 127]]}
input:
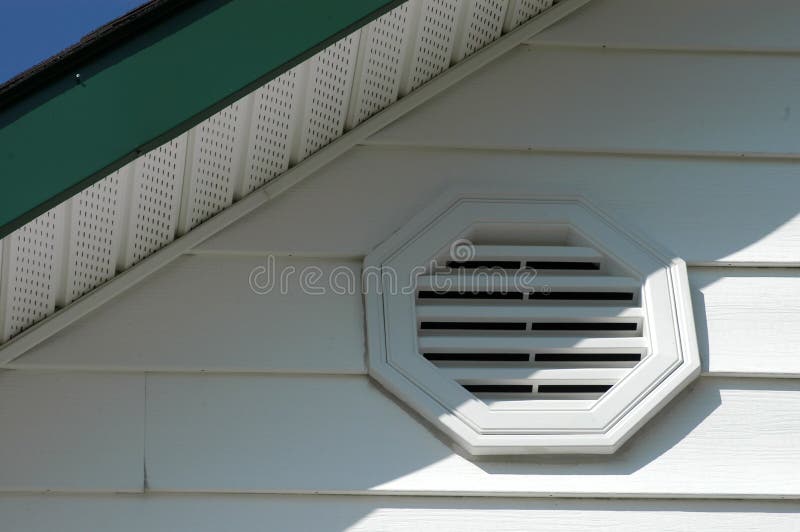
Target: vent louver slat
{"points": [[549, 258], [536, 376], [529, 344], [494, 345], [496, 282], [504, 312], [542, 253]]}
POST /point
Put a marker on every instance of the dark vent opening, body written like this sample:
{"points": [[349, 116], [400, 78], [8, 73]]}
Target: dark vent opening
{"points": [[562, 265], [489, 264], [430, 294], [477, 357], [588, 357], [595, 326], [473, 326], [499, 388], [574, 388], [583, 296]]}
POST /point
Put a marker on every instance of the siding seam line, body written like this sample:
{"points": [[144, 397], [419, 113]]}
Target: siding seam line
{"points": [[640, 48], [586, 152]]}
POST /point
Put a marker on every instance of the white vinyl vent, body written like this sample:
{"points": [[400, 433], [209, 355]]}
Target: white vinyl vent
{"points": [[502, 322], [328, 78], [213, 165], [433, 44], [271, 129], [156, 200], [521, 11], [94, 239], [532, 326], [381, 57], [483, 24], [30, 258]]}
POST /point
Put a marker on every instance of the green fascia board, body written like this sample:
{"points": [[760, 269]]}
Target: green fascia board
{"points": [[67, 135]]}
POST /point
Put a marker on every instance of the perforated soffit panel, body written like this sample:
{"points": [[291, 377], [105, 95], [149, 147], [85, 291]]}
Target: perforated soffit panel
{"points": [[132, 213], [528, 325]]}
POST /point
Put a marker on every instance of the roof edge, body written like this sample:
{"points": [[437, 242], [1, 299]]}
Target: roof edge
{"points": [[29, 338], [148, 77], [107, 36]]}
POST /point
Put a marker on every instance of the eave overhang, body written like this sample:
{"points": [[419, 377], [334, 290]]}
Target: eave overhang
{"points": [[129, 95]]}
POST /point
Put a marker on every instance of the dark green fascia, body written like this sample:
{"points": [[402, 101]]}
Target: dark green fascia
{"points": [[65, 136]]}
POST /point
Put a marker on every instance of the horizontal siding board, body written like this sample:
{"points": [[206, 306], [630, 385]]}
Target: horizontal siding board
{"points": [[733, 438], [71, 432], [212, 513], [604, 100], [703, 211], [278, 433], [748, 320], [692, 24], [200, 314], [747, 324]]}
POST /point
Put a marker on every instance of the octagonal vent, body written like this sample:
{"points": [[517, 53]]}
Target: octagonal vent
{"points": [[528, 326]]}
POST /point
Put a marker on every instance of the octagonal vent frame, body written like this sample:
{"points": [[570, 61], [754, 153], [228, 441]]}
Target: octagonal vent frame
{"points": [[524, 271]]}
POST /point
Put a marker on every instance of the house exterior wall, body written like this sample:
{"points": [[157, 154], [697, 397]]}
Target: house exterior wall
{"points": [[194, 403]]}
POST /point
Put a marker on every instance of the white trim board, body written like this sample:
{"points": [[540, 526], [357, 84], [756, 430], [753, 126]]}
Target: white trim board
{"points": [[34, 335]]}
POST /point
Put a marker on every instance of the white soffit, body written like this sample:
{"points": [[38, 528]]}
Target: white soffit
{"points": [[178, 194], [523, 326]]}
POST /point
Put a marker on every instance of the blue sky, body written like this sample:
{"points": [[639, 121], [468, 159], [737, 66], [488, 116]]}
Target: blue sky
{"points": [[33, 30]]}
